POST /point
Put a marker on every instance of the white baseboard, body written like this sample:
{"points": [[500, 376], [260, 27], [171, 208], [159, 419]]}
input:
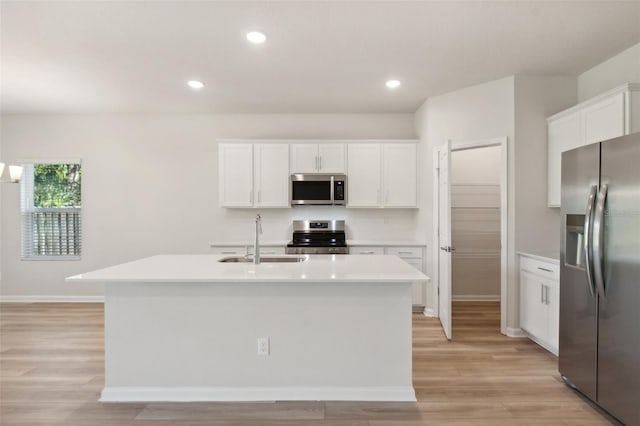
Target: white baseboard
{"points": [[475, 298], [515, 332], [51, 299], [428, 312], [277, 393]]}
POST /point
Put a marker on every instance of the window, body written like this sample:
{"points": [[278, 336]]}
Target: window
{"points": [[51, 211]]}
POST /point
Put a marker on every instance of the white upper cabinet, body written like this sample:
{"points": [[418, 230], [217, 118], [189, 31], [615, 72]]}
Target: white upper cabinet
{"points": [[235, 180], [271, 175], [563, 134], [317, 158], [382, 175], [612, 114], [603, 120], [399, 174], [253, 175], [364, 179]]}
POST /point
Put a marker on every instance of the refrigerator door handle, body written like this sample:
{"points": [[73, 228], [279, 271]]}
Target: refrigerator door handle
{"points": [[586, 241], [598, 241]]}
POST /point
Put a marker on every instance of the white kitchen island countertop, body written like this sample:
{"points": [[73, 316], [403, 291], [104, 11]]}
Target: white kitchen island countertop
{"points": [[206, 268], [190, 328]]}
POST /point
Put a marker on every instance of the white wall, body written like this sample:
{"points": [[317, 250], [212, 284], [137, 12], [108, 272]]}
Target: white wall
{"points": [[515, 107], [479, 112], [621, 68], [150, 187], [479, 166], [536, 98]]}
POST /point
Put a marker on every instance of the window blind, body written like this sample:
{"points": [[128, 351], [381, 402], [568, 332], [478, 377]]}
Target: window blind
{"points": [[49, 232]]}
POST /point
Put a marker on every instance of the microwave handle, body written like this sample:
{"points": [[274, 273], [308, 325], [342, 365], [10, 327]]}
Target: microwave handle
{"points": [[331, 191]]}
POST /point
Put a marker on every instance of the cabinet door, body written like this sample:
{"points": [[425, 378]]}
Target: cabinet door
{"points": [[418, 287], [235, 175], [562, 134], [400, 175], [363, 172], [366, 250], [532, 309], [331, 158], [304, 158], [271, 175], [553, 315], [604, 120]]}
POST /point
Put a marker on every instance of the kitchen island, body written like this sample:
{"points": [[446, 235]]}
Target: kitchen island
{"points": [[191, 328]]}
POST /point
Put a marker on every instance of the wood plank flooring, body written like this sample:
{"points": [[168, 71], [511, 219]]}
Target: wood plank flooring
{"points": [[51, 373]]}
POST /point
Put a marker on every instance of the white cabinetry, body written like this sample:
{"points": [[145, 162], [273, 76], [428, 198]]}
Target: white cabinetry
{"points": [[242, 250], [317, 158], [364, 174], [271, 178], [412, 255], [539, 302], [235, 180], [253, 175], [612, 114], [382, 175]]}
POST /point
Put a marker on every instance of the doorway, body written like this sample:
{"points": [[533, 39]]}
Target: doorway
{"points": [[470, 231], [475, 235]]}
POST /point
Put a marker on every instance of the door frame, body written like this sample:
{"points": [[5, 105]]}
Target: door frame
{"points": [[504, 167]]}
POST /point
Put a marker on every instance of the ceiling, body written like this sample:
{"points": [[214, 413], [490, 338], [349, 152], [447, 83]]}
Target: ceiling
{"points": [[320, 56]]}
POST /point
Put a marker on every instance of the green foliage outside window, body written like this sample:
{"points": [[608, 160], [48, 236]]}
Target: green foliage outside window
{"points": [[56, 185]]}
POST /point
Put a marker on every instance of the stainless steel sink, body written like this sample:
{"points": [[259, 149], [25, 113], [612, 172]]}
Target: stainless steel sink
{"points": [[264, 259]]}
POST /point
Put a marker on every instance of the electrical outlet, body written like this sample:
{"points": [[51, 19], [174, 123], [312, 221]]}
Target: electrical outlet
{"points": [[263, 346]]}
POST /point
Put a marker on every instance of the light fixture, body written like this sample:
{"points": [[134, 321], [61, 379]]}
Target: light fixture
{"points": [[256, 37], [195, 84], [392, 84], [15, 173]]}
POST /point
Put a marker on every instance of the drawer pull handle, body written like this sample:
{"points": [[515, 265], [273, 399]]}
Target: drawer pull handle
{"points": [[367, 252], [404, 252], [228, 252], [545, 269]]}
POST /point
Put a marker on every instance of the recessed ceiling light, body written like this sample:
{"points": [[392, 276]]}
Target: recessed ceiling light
{"points": [[256, 37], [392, 84], [195, 84]]}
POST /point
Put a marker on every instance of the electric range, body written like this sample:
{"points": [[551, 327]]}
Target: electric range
{"points": [[318, 237]]}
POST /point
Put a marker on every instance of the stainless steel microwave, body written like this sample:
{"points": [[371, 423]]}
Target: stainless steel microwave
{"points": [[318, 189]]}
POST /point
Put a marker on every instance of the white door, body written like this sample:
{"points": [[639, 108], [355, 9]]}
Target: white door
{"points": [[271, 175], [444, 238], [363, 175], [331, 157], [235, 175], [304, 158], [399, 175]]}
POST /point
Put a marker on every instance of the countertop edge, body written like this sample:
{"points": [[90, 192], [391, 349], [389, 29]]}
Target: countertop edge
{"points": [[544, 258], [353, 243]]}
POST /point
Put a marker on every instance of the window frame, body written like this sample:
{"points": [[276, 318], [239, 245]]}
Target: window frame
{"points": [[27, 207]]}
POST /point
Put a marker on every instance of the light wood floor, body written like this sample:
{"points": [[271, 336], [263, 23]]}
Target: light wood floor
{"points": [[51, 366]]}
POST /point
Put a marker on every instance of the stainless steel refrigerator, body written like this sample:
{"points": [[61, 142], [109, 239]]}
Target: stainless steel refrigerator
{"points": [[600, 274]]}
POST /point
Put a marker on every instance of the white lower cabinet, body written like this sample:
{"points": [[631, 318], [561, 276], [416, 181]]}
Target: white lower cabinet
{"points": [[539, 302], [248, 249], [412, 255]]}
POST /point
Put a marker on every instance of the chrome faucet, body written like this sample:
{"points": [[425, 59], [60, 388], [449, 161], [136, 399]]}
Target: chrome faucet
{"points": [[256, 245]]}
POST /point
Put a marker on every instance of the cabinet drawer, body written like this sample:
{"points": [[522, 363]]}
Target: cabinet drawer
{"points": [[233, 250], [405, 251], [268, 250], [540, 268], [366, 250]]}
